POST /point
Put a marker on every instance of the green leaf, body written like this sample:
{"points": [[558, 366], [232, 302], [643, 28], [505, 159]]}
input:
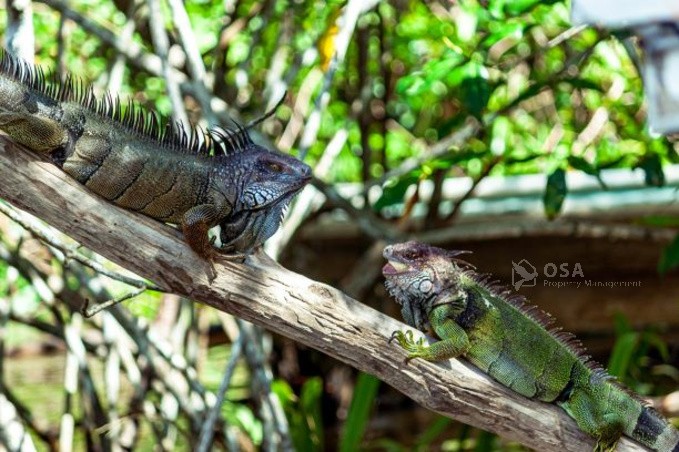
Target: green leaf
{"points": [[393, 194], [498, 8], [485, 442], [475, 88], [283, 390], [411, 85], [454, 158], [528, 158], [660, 221], [516, 7], [656, 341], [653, 172], [583, 165], [303, 413], [435, 430], [555, 193], [622, 353], [500, 132], [669, 259], [359, 412], [505, 30], [439, 69], [310, 401], [583, 83]]}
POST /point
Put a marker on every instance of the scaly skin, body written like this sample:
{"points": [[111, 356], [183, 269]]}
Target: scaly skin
{"points": [[196, 180], [442, 295]]}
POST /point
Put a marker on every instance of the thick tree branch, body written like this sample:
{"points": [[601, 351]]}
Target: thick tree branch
{"points": [[282, 301]]}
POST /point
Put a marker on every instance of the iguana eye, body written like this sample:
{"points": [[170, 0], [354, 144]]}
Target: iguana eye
{"points": [[275, 167], [411, 255]]}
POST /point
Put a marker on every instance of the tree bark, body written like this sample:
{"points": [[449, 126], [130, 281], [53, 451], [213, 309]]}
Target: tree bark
{"points": [[284, 302]]}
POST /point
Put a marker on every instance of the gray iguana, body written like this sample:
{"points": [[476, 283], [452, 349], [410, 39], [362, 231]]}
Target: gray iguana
{"points": [[144, 163], [482, 322]]}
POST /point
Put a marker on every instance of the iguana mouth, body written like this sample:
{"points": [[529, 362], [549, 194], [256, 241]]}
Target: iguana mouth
{"points": [[394, 268]]}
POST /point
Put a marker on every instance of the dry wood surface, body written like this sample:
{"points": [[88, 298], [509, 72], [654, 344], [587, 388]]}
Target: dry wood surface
{"points": [[284, 302]]}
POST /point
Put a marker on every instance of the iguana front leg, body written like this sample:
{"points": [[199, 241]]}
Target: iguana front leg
{"points": [[196, 223], [454, 344]]}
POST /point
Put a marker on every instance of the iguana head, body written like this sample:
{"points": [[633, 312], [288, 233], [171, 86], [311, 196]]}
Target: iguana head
{"points": [[417, 275], [272, 177], [254, 177], [266, 177], [259, 185]]}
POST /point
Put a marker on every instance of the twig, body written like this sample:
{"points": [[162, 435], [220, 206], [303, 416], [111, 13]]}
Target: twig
{"points": [[564, 36], [352, 12], [194, 61], [440, 149], [117, 70], [131, 50], [488, 167], [13, 435], [43, 233], [270, 409], [206, 433], [306, 201], [268, 114], [47, 436], [19, 35], [88, 311], [369, 223], [161, 44], [556, 41]]}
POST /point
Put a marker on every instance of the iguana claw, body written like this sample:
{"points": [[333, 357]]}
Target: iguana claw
{"points": [[406, 340]]}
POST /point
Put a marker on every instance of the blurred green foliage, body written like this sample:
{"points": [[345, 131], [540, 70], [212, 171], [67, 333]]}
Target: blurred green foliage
{"points": [[360, 409], [427, 70], [303, 413]]}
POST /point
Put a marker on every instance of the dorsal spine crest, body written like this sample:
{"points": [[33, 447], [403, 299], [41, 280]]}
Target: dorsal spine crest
{"points": [[168, 134]]}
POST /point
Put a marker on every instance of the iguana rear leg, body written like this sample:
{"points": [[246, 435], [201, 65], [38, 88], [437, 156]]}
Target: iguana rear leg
{"points": [[196, 223], [594, 418], [36, 133]]}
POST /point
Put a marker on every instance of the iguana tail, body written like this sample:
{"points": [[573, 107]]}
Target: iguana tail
{"points": [[606, 410], [651, 429]]}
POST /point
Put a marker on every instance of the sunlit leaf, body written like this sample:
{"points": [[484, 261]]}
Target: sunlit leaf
{"points": [[669, 259], [583, 165], [475, 88], [622, 353], [393, 194], [359, 412], [508, 30], [653, 173], [555, 193]]}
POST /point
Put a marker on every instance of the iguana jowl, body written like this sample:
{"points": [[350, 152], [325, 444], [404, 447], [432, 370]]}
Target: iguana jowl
{"points": [[142, 163], [495, 331]]}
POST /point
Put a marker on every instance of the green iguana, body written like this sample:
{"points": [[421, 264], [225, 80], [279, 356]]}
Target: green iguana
{"points": [[142, 162], [509, 341]]}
